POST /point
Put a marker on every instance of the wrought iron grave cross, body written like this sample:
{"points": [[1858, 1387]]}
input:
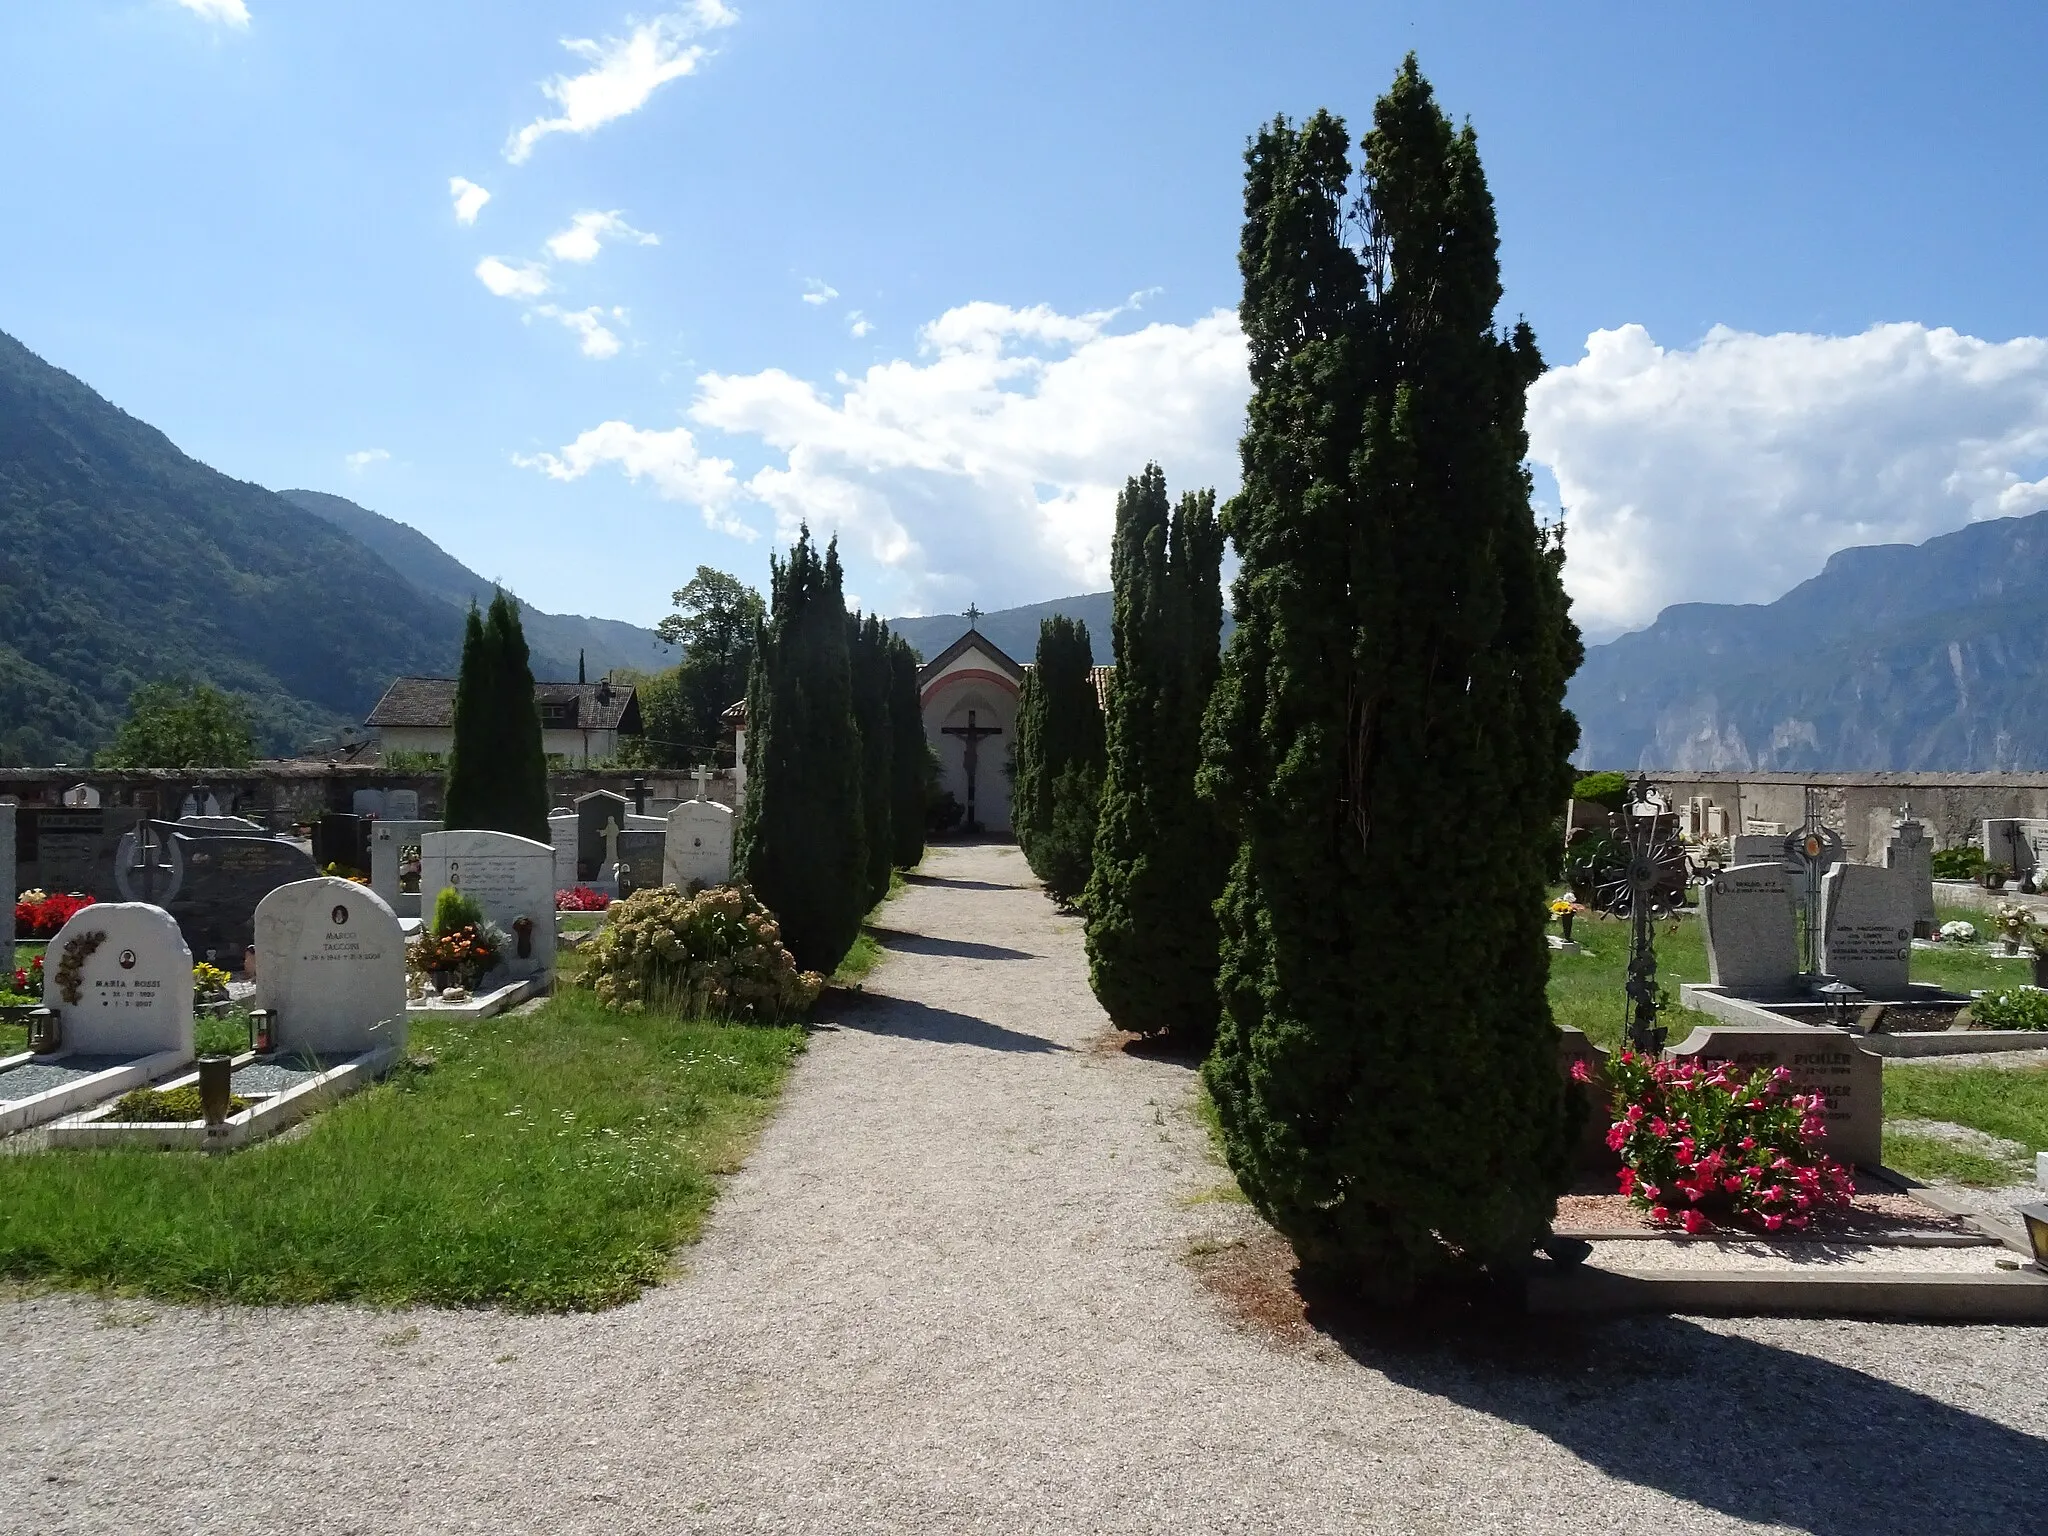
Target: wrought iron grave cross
{"points": [[1812, 851]]}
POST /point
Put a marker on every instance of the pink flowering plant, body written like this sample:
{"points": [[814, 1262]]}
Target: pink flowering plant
{"points": [[1704, 1145]]}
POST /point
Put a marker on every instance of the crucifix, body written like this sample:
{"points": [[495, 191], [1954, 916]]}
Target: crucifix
{"points": [[971, 734], [1811, 852]]}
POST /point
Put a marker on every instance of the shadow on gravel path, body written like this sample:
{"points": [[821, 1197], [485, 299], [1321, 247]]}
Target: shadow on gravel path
{"points": [[952, 949], [880, 1015]]}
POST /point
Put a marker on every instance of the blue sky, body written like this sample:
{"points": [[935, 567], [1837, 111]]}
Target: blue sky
{"points": [[941, 275]]}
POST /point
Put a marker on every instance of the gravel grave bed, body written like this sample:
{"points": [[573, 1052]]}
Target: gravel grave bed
{"points": [[1874, 1216], [972, 1279], [32, 1078]]}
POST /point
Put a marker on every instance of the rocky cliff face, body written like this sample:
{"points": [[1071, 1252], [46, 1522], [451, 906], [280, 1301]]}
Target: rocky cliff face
{"points": [[1929, 656]]}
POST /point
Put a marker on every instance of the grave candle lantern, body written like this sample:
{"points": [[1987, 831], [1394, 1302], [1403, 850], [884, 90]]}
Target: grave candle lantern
{"points": [[1840, 998], [262, 1030], [45, 1031], [2036, 1218]]}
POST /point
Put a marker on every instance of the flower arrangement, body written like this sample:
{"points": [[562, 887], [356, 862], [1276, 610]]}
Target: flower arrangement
{"points": [[717, 954], [1701, 1145], [1957, 932], [466, 953], [2015, 925], [70, 969], [342, 871], [209, 983], [581, 899], [39, 914], [1564, 906], [28, 979]]}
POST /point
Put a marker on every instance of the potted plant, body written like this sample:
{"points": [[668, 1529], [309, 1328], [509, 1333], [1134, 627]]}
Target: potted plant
{"points": [[1564, 909], [459, 948], [2015, 927]]}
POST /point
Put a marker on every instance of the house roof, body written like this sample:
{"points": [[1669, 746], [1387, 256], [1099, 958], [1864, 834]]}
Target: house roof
{"points": [[1101, 677], [973, 640], [429, 702]]}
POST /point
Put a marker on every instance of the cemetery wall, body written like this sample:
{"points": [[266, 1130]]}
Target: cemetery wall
{"points": [[1863, 806]]}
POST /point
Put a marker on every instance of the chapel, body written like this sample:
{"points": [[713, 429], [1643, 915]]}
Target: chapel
{"points": [[969, 694]]}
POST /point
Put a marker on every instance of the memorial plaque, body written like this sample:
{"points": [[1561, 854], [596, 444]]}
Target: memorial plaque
{"points": [[330, 959], [699, 845], [1867, 929], [511, 879], [133, 989], [1824, 1061], [1752, 943]]}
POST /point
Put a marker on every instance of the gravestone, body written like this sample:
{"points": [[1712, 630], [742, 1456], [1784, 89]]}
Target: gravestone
{"points": [[391, 872], [221, 824], [562, 832], [699, 845], [636, 822], [1758, 848], [224, 879], [132, 991], [402, 804], [80, 797], [1911, 853], [11, 889], [594, 812], [641, 857], [512, 881], [1824, 1061], [1752, 942], [71, 850], [341, 839], [367, 802], [1867, 929], [331, 961]]}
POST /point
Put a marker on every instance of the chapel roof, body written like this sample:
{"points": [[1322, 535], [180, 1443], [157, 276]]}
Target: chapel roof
{"points": [[973, 640], [430, 702]]}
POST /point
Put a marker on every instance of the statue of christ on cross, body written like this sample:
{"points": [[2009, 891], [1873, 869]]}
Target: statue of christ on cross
{"points": [[971, 736]]}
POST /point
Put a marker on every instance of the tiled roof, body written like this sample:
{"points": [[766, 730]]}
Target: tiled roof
{"points": [[429, 702], [1101, 677]]}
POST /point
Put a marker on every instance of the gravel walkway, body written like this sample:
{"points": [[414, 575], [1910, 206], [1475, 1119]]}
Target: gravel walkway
{"points": [[951, 1292]]}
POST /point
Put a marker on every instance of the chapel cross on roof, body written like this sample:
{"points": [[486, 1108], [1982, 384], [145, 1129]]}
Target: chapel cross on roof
{"points": [[973, 614]]}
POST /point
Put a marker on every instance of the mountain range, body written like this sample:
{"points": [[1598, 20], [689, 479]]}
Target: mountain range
{"points": [[125, 561], [1896, 656]]}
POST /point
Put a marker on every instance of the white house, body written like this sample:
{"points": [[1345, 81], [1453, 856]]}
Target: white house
{"points": [[581, 722]]}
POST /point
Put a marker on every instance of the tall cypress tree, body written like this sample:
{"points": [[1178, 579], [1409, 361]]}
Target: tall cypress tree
{"points": [[497, 768], [910, 757], [868, 640], [1385, 1069], [1161, 853], [1058, 778], [802, 842]]}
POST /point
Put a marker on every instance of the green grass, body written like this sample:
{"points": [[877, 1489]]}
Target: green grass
{"points": [[1585, 989], [863, 957], [2011, 1102], [542, 1161], [1929, 1158]]}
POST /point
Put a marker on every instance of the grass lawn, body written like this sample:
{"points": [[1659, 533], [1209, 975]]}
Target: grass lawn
{"points": [[2007, 1102], [542, 1161]]}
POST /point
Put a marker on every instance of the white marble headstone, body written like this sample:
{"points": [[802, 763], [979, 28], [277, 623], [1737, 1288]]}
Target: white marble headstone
{"points": [[1752, 944], [1867, 928], [402, 804], [389, 839], [562, 831], [134, 990], [331, 960], [699, 845], [512, 881]]}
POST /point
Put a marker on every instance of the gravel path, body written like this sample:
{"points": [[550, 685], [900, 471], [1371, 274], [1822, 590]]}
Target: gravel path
{"points": [[951, 1292]]}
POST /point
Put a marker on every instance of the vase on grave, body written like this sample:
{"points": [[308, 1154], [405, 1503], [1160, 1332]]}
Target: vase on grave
{"points": [[1564, 925], [2040, 969]]}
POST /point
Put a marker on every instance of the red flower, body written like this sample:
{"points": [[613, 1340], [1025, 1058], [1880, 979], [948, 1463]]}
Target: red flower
{"points": [[1694, 1221]]}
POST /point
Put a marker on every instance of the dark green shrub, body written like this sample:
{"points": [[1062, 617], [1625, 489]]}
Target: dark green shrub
{"points": [[1605, 789], [1962, 863], [1059, 730]]}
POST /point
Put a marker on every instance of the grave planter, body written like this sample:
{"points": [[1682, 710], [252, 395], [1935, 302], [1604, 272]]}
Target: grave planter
{"points": [[1564, 926]]}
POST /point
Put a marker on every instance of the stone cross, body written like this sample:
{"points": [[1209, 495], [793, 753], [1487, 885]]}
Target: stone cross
{"points": [[971, 735], [702, 778]]}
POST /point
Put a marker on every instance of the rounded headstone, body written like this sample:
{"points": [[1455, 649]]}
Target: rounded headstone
{"points": [[132, 984], [330, 959]]}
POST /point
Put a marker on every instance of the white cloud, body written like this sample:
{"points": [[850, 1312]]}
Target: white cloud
{"points": [[525, 281], [586, 231], [987, 467], [623, 72], [229, 13], [669, 460], [597, 339], [1730, 471], [469, 198], [858, 325], [364, 458], [817, 291]]}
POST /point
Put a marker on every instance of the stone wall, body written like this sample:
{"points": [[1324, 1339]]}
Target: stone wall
{"points": [[1863, 806]]}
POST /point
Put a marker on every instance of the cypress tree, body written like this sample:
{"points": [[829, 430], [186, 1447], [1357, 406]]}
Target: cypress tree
{"points": [[801, 841], [1161, 854], [910, 757], [497, 769], [1059, 763], [1389, 730], [868, 642]]}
